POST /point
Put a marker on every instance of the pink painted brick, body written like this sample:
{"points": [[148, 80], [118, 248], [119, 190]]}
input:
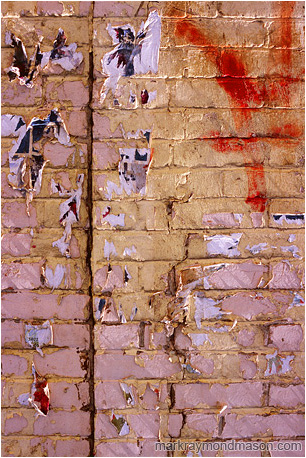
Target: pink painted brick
{"points": [[14, 215], [16, 244], [12, 334], [286, 396], [71, 447], [109, 395], [205, 423], [71, 335], [287, 337], [220, 220], [69, 395], [74, 92], [117, 9], [285, 276], [14, 365], [105, 281], [117, 337], [104, 428], [44, 306], [115, 366], [144, 425], [15, 424], [16, 94], [63, 423], [297, 448], [105, 156], [65, 363], [246, 275], [248, 305], [248, 426], [102, 128], [58, 154], [49, 8], [6, 189], [117, 449], [202, 364], [21, 276], [175, 423], [76, 123], [192, 395]]}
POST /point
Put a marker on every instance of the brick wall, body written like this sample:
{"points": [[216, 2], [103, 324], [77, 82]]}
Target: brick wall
{"points": [[179, 311]]}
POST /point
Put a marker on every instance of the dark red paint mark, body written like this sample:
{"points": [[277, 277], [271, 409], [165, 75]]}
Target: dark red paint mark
{"points": [[40, 395], [243, 93], [144, 97]]}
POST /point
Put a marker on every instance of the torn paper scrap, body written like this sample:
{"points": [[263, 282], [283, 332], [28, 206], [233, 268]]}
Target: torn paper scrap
{"points": [[134, 54], [278, 364], [133, 166], [298, 218], [225, 245], [70, 214], [39, 335], [205, 309], [26, 69], [128, 394], [113, 220], [109, 250], [39, 398], [133, 313], [256, 249], [25, 158], [12, 125], [54, 279]]}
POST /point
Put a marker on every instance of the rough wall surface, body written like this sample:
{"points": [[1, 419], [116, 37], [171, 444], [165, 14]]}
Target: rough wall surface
{"points": [[178, 313]]}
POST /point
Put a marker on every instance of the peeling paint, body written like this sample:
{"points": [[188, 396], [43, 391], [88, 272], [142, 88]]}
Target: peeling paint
{"points": [[113, 220], [223, 244], [54, 279], [256, 249], [298, 301], [278, 364], [122, 318], [120, 424], [298, 218], [133, 166], [129, 251], [128, 394], [133, 313], [291, 249], [222, 219], [199, 339], [39, 335], [133, 54], [109, 250], [69, 214], [206, 308]]}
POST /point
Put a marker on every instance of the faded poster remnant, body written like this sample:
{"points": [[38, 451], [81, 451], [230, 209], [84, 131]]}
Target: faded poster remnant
{"points": [[298, 218], [54, 279], [25, 158], [278, 364], [39, 398], [134, 54], [206, 308], [39, 335], [26, 69], [133, 167], [69, 214], [223, 244]]}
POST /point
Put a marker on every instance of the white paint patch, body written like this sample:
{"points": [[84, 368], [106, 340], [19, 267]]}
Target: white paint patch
{"points": [[38, 336], [113, 220], [206, 308], [291, 238], [12, 125], [109, 250], [199, 339], [225, 245], [129, 251], [291, 249], [121, 315], [133, 313], [256, 249], [55, 279]]}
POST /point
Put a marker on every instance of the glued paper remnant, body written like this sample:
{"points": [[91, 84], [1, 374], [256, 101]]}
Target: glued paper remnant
{"points": [[26, 69], [39, 398], [134, 54], [37, 336], [70, 214], [25, 158]]}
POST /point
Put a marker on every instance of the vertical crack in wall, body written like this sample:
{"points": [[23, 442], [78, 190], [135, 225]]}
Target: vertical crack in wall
{"points": [[91, 321]]}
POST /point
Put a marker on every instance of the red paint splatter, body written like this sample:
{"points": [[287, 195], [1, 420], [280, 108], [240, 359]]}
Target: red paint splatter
{"points": [[286, 32], [243, 93]]}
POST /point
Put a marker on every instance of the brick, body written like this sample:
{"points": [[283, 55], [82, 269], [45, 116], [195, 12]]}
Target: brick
{"points": [[74, 93], [14, 365], [285, 275], [286, 338], [254, 10], [175, 423], [119, 366], [14, 215], [44, 306], [109, 395], [233, 395], [289, 396], [254, 425], [204, 423], [117, 9], [117, 337], [21, 276], [38, 446], [65, 363], [16, 244], [145, 425]]}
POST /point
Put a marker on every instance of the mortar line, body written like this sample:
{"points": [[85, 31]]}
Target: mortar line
{"points": [[91, 322]]}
